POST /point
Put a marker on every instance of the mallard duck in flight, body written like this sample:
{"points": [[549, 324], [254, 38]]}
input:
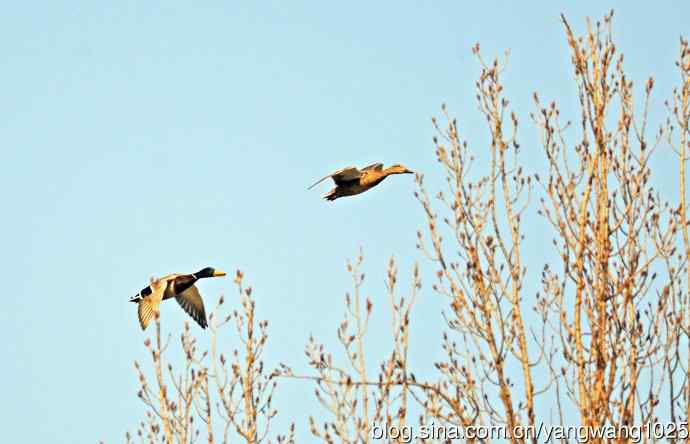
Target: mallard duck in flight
{"points": [[178, 286], [350, 181]]}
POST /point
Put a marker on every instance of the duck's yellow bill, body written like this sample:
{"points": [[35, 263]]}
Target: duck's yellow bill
{"points": [[219, 273]]}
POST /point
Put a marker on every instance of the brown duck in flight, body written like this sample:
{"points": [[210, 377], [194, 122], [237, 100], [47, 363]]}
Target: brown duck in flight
{"points": [[178, 286], [350, 181]]}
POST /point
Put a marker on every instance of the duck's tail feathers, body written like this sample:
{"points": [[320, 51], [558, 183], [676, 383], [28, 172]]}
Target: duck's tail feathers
{"points": [[331, 195]]}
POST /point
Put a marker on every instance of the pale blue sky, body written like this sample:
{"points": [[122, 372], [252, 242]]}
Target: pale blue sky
{"points": [[148, 138]]}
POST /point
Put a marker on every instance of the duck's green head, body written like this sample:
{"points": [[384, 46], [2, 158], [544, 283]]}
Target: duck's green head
{"points": [[208, 272]]}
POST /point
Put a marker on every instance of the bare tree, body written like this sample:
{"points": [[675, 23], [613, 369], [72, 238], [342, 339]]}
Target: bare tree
{"points": [[614, 324], [230, 399], [679, 109], [612, 338], [604, 338], [357, 402]]}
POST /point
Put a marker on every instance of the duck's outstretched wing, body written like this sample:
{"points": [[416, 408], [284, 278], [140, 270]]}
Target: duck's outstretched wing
{"points": [[191, 302], [147, 310], [374, 166], [340, 176], [150, 304]]}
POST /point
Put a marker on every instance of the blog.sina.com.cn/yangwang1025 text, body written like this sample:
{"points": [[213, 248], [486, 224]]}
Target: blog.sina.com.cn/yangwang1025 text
{"points": [[542, 432]]}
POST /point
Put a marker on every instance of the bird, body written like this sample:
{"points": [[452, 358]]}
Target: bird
{"points": [[351, 180], [178, 286]]}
